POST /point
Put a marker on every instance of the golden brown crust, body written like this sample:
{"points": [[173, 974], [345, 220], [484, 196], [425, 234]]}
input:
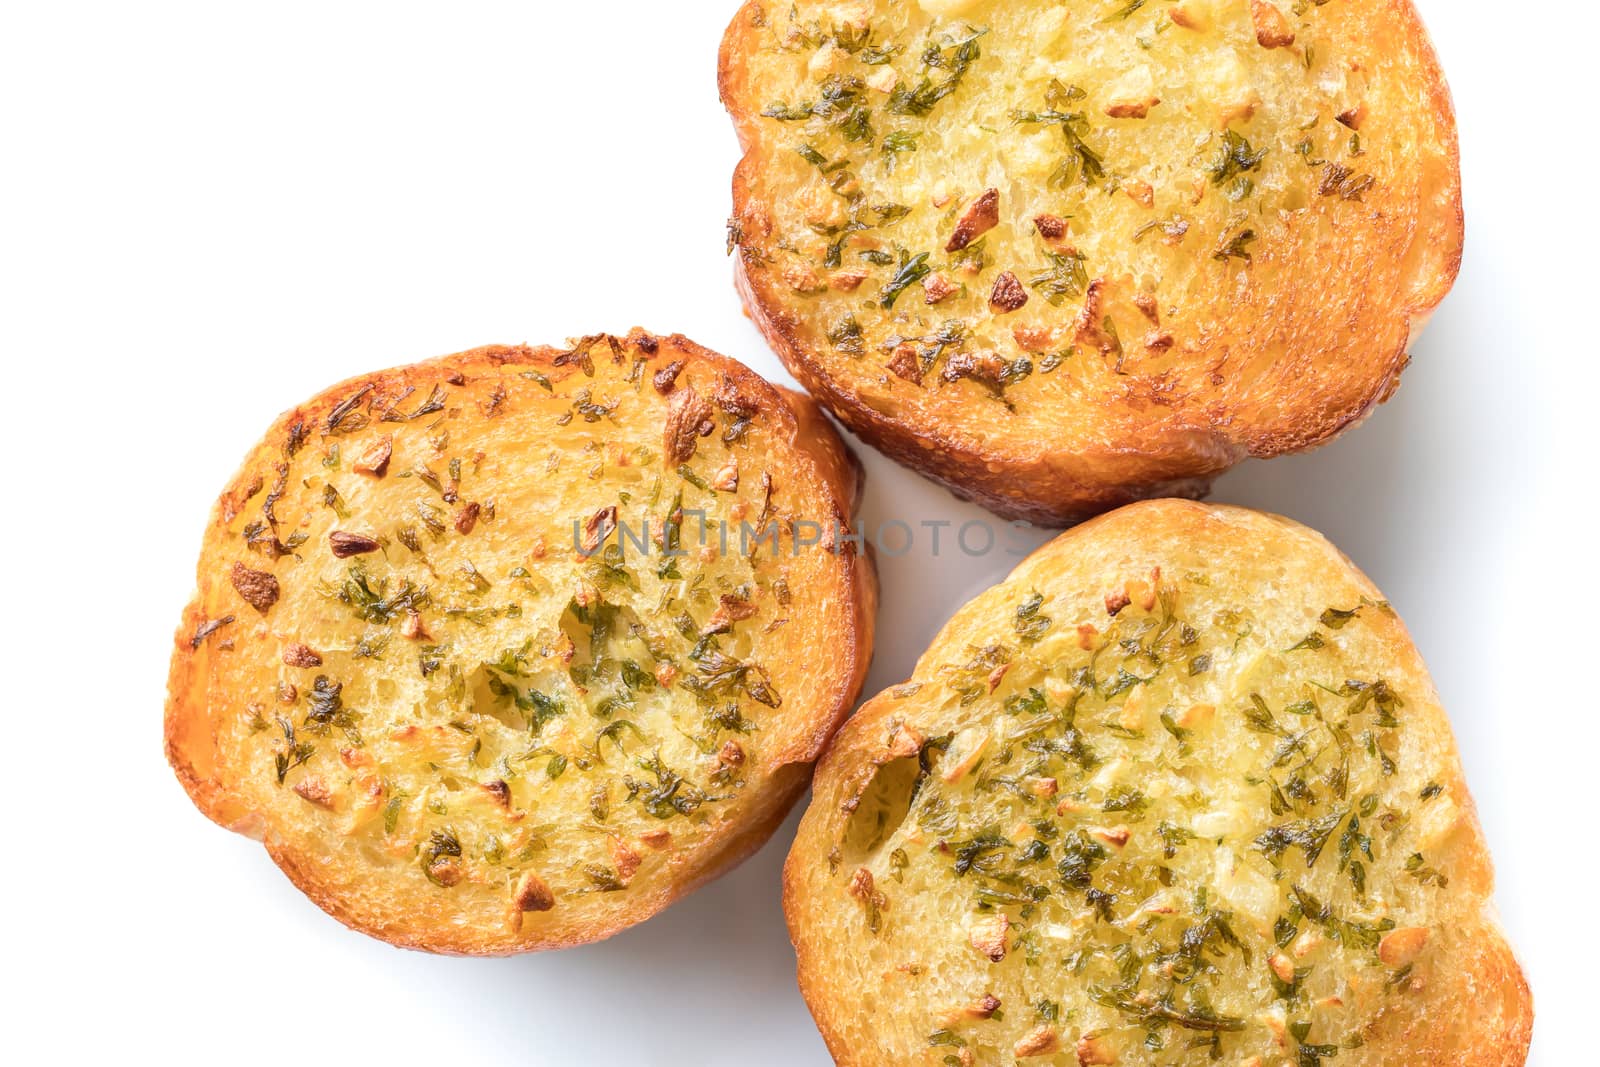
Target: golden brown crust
{"points": [[348, 822], [883, 971], [1273, 355], [1026, 490]]}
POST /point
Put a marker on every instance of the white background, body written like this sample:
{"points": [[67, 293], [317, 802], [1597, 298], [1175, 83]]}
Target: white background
{"points": [[209, 211]]}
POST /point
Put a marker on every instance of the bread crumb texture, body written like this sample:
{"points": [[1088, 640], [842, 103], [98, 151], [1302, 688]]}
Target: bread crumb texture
{"points": [[1177, 792], [1062, 256], [478, 653]]}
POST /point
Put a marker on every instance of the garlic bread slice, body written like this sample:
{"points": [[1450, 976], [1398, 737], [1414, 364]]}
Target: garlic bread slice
{"points": [[509, 650], [1177, 792], [1062, 256]]}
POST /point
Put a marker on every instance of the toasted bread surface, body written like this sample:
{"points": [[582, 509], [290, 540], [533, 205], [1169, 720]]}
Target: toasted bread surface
{"points": [[509, 650], [1065, 256], [1179, 791]]}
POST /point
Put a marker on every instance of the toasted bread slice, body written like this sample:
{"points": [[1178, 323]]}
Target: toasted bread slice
{"points": [[478, 651], [1060, 257], [1179, 791]]}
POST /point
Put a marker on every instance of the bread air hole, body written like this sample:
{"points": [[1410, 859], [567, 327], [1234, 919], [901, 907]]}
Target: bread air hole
{"points": [[882, 807]]}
